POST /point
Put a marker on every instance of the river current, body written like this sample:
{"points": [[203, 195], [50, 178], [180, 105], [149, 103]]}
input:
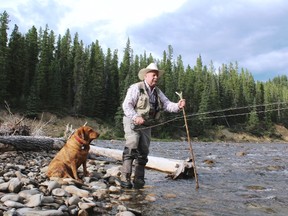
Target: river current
{"points": [[234, 179]]}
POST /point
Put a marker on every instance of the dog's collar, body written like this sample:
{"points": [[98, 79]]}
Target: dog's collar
{"points": [[79, 140]]}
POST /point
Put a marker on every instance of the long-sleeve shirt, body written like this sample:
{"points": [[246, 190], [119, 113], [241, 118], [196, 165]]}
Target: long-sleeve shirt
{"points": [[132, 96]]}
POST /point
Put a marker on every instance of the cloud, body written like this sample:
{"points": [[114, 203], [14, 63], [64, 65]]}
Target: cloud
{"points": [[109, 20], [222, 31], [251, 32]]}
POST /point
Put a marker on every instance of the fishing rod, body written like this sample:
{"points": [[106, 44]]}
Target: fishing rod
{"points": [[189, 141]]}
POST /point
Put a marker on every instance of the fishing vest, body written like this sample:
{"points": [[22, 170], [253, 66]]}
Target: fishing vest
{"points": [[144, 107]]}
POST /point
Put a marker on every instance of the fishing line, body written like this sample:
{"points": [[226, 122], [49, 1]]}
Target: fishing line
{"points": [[193, 115]]}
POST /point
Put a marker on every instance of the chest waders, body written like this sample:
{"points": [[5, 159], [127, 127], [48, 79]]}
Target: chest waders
{"points": [[138, 141]]}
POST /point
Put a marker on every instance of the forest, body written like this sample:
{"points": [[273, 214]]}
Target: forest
{"points": [[44, 72]]}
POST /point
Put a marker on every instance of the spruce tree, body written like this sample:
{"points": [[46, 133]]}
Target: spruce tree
{"points": [[15, 67], [31, 60], [55, 82], [259, 97], [124, 73], [4, 21], [253, 125], [80, 59], [66, 70], [98, 83], [43, 73], [111, 85]]}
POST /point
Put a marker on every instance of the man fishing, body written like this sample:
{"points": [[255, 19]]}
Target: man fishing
{"points": [[142, 106]]}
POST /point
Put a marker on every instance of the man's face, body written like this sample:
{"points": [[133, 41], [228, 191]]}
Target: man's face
{"points": [[151, 78]]}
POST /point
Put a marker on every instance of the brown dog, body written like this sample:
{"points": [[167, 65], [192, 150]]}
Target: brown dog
{"points": [[73, 154]]}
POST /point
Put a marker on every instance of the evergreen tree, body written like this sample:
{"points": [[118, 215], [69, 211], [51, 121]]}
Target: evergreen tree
{"points": [[259, 97], [115, 82], [80, 58], [31, 60], [15, 66], [198, 83], [253, 125], [4, 21], [66, 70], [98, 82], [124, 73], [214, 96], [43, 73], [55, 82], [181, 75], [169, 78], [188, 88], [111, 85], [33, 102], [204, 108]]}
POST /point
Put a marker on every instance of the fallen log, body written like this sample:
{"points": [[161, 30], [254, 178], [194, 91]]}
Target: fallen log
{"points": [[175, 168], [30, 143]]}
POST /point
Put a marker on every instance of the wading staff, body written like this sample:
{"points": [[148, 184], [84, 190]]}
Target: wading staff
{"points": [[189, 141]]}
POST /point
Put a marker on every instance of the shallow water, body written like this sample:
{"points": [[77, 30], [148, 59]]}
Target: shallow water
{"points": [[252, 184]]}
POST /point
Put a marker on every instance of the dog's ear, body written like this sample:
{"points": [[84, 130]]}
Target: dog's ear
{"points": [[81, 133]]}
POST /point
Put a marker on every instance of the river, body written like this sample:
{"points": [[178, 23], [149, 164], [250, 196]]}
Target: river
{"points": [[241, 179]]}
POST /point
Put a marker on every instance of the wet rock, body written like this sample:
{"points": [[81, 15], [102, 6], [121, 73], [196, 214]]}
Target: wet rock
{"points": [[83, 213], [84, 205], [240, 154], [52, 185], [255, 187], [169, 196], [114, 189], [114, 171], [19, 175], [125, 197], [12, 197], [96, 175], [14, 185], [208, 161], [76, 191], [73, 209], [274, 168], [125, 213], [30, 212], [121, 208], [34, 200], [59, 192], [13, 204], [100, 194], [28, 193], [47, 199], [150, 198], [9, 174], [10, 212], [4, 186], [74, 200], [98, 185]]}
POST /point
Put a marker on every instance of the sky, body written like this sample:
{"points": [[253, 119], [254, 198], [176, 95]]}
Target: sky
{"points": [[253, 33]]}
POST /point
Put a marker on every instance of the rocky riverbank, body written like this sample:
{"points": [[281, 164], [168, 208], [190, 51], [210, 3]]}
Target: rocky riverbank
{"points": [[25, 189]]}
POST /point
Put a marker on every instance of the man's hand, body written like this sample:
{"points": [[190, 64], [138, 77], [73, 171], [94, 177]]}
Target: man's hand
{"points": [[139, 120], [181, 103]]}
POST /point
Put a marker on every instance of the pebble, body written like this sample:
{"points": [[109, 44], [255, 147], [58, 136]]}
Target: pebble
{"points": [[150, 198], [25, 189]]}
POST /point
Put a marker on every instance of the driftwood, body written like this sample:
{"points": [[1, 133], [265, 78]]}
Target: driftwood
{"points": [[30, 143], [175, 168]]}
